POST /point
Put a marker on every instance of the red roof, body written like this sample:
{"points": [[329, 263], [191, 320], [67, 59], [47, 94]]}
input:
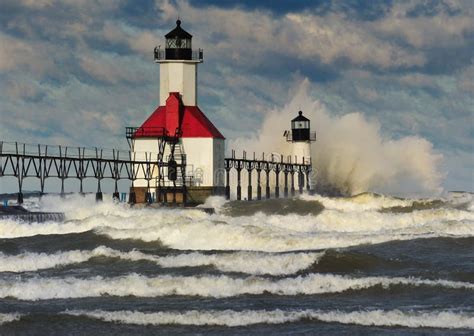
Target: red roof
{"points": [[194, 124]]}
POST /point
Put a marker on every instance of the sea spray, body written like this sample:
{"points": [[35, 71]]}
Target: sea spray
{"points": [[350, 153]]}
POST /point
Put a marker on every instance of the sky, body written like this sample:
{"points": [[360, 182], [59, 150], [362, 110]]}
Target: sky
{"points": [[77, 72]]}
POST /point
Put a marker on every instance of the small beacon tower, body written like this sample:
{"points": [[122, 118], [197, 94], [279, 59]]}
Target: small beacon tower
{"points": [[301, 138], [179, 129]]}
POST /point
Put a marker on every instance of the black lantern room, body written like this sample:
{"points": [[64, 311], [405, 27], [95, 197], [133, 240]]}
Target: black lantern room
{"points": [[300, 130], [178, 44]]}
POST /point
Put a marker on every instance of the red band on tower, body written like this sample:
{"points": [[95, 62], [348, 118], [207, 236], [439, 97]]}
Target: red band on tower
{"points": [[173, 112]]}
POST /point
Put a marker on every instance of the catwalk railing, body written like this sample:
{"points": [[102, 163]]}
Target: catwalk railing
{"points": [[44, 161], [276, 164]]}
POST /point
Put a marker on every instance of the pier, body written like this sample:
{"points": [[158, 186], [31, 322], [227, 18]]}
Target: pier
{"points": [[271, 169], [41, 162], [38, 161]]}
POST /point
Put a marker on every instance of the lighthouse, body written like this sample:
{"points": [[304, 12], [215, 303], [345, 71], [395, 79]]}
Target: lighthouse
{"points": [[186, 140], [301, 138]]}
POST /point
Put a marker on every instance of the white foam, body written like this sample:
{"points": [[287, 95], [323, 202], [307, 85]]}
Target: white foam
{"points": [[362, 202], [84, 214], [35, 261], [215, 202], [244, 262], [205, 286], [194, 229], [443, 319], [7, 318], [330, 229], [351, 153], [230, 318], [461, 198], [370, 201]]}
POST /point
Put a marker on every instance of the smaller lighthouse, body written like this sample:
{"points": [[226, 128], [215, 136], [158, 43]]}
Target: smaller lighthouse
{"points": [[301, 138]]}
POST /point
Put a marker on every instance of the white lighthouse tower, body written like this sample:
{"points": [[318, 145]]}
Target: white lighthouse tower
{"points": [[301, 138], [179, 122]]}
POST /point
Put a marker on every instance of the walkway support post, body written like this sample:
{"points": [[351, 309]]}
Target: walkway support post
{"points": [[249, 166]]}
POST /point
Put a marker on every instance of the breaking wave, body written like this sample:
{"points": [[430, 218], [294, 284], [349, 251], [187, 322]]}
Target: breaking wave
{"points": [[273, 233], [230, 318], [6, 318], [204, 286], [358, 203], [351, 154], [371, 201], [243, 262], [341, 224]]}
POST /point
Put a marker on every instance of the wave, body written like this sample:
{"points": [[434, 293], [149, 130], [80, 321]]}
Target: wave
{"points": [[371, 201], [204, 286], [360, 202], [330, 229], [7, 318], [230, 318], [257, 263], [196, 230], [278, 206]]}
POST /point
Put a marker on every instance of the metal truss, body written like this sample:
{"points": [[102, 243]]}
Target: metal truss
{"points": [[287, 166], [44, 161]]}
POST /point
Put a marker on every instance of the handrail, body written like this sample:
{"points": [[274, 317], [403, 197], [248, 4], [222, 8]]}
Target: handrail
{"points": [[196, 54], [59, 151], [133, 132]]}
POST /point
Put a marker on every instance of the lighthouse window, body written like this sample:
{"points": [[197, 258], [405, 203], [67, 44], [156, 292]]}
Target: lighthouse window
{"points": [[178, 43], [300, 124]]}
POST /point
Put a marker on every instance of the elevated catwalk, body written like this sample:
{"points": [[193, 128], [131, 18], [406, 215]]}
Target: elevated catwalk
{"points": [[42, 162]]}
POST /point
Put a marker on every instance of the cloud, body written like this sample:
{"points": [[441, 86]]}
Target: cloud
{"points": [[15, 53], [22, 90], [110, 68], [142, 41], [417, 80], [439, 30], [79, 71], [300, 35], [35, 4], [466, 80]]}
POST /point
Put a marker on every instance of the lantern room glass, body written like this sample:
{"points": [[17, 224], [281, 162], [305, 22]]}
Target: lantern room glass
{"points": [[300, 124], [178, 43]]}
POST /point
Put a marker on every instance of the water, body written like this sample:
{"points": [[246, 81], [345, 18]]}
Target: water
{"points": [[369, 265]]}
